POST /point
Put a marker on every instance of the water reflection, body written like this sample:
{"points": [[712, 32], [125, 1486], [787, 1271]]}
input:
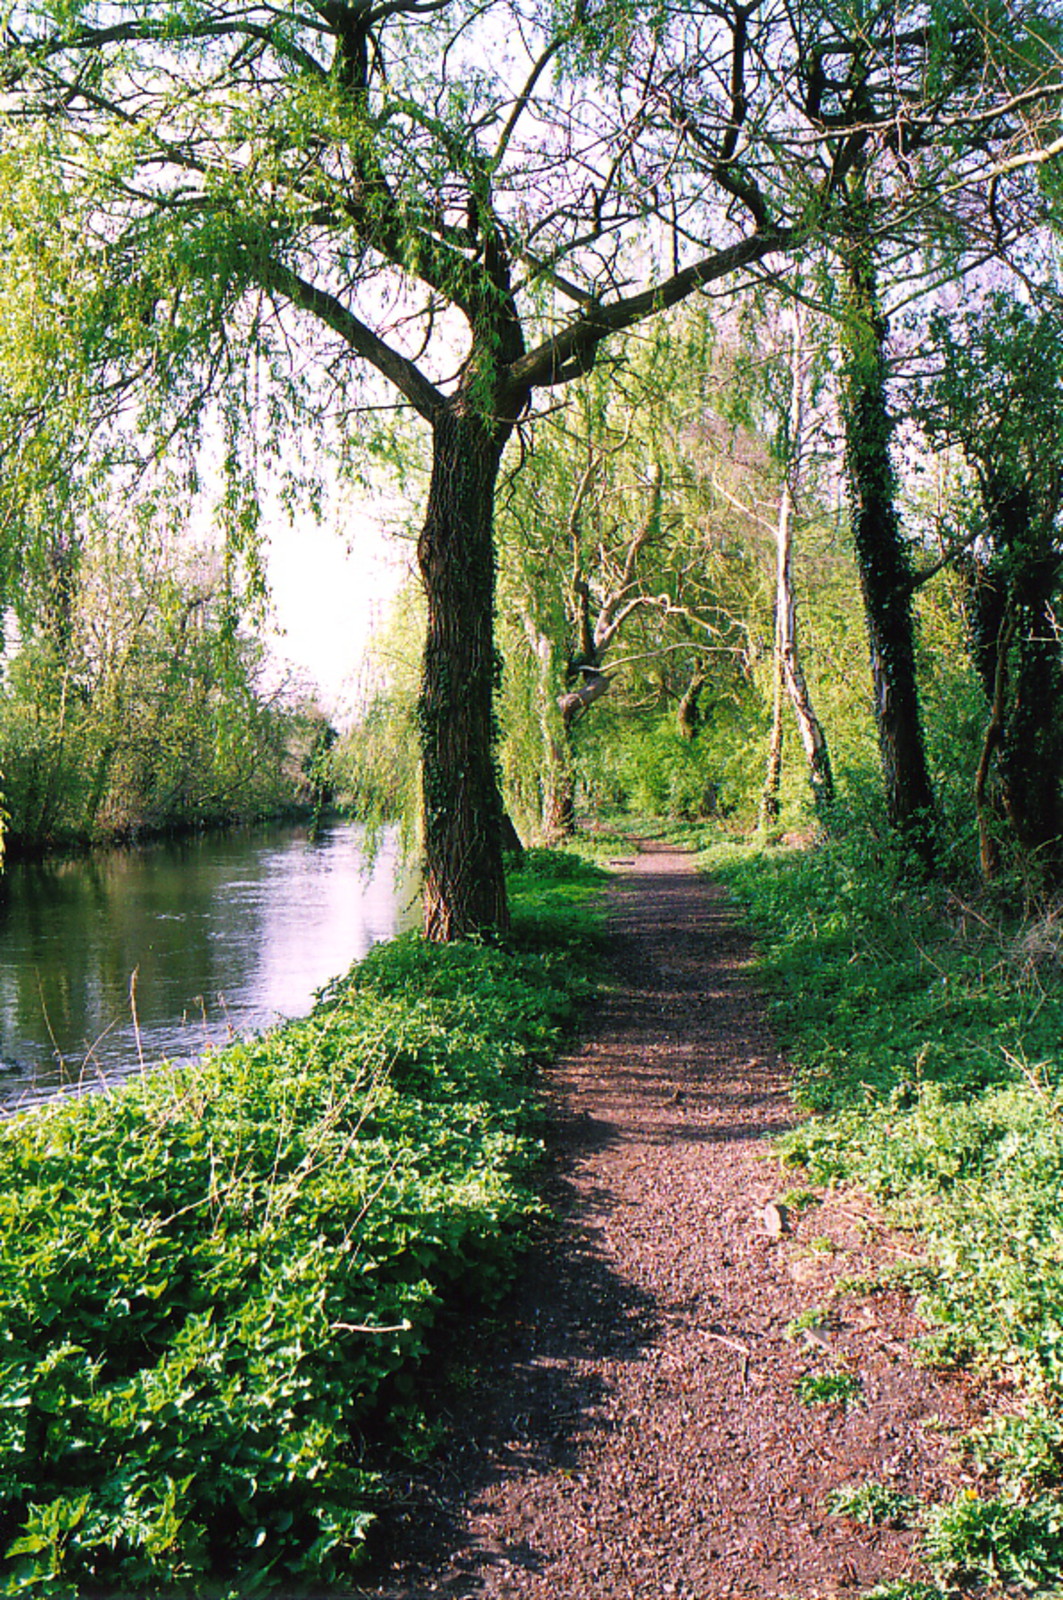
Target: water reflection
{"points": [[214, 936]]}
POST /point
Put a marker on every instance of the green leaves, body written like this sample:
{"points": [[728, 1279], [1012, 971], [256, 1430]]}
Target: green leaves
{"points": [[996, 1541], [129, 703], [951, 1043], [217, 1287]]}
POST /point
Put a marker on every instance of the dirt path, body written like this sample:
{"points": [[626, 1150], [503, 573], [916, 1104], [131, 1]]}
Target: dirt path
{"points": [[635, 1431]]}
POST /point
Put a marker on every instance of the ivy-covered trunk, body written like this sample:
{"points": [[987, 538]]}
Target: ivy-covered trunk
{"points": [[560, 808], [465, 891], [882, 557], [1032, 757], [1030, 671]]}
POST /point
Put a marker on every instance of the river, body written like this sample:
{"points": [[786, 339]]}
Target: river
{"points": [[124, 958]]}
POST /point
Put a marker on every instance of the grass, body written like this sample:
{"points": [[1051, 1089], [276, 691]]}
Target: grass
{"points": [[926, 1033], [221, 1287]]}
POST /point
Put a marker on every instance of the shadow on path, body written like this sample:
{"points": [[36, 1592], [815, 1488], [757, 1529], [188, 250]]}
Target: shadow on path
{"points": [[540, 1378], [535, 1382]]}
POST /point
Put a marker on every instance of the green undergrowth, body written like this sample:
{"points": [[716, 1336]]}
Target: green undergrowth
{"points": [[221, 1284], [926, 1032]]}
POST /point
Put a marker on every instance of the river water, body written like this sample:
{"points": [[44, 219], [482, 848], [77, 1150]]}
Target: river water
{"points": [[125, 958]]}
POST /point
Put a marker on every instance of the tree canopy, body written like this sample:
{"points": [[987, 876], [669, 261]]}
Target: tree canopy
{"points": [[464, 200]]}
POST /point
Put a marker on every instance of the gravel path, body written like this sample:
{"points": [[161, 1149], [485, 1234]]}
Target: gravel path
{"points": [[633, 1430]]}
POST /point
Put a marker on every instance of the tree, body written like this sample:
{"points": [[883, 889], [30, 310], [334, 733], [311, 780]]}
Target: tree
{"points": [[148, 713], [883, 556], [375, 762], [413, 183], [626, 575], [789, 672], [927, 118], [999, 396], [605, 590], [572, 560], [459, 197]]}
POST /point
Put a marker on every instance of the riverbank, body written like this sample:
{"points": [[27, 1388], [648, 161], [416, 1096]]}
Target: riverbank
{"points": [[220, 1285], [75, 846]]}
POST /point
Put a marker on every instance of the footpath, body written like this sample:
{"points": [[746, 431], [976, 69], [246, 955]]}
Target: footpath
{"points": [[634, 1429]]}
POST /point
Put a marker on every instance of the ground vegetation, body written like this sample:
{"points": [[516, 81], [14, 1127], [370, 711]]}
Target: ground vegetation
{"points": [[222, 1283], [924, 1030]]}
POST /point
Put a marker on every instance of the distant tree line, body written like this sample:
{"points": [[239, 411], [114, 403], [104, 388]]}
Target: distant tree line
{"points": [[132, 703]]}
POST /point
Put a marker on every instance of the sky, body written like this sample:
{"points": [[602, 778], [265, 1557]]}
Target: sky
{"points": [[332, 583]]}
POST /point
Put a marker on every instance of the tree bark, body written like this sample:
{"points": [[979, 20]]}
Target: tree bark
{"points": [[813, 738], [560, 809], [1032, 756], [789, 674], [1030, 753], [769, 800], [688, 713], [574, 702], [885, 574], [987, 814], [465, 889]]}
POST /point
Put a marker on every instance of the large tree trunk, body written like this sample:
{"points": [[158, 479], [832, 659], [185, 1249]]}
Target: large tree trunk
{"points": [[465, 890], [885, 574], [1032, 755], [1010, 603]]}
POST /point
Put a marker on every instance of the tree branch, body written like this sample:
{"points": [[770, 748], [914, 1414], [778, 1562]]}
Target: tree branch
{"points": [[571, 352], [947, 557], [397, 368], [615, 610], [520, 105]]}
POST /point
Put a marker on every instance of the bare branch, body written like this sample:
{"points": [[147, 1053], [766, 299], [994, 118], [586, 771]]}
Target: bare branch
{"points": [[522, 101], [615, 609], [397, 368], [572, 351]]}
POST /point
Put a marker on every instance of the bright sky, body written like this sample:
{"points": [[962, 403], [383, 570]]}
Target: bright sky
{"points": [[332, 583]]}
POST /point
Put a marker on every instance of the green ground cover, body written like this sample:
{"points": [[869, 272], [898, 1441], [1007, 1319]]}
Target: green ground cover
{"points": [[219, 1285], [926, 1034]]}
